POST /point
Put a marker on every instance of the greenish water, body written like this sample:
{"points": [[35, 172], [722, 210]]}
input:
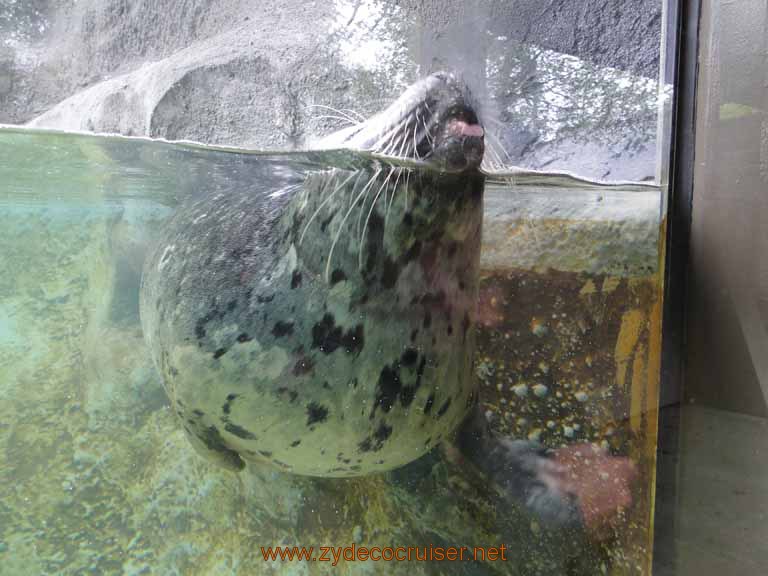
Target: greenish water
{"points": [[96, 476]]}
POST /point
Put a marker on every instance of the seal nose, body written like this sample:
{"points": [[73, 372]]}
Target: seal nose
{"points": [[465, 129]]}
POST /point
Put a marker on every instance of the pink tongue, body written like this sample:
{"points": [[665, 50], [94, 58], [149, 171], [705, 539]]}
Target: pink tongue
{"points": [[461, 127]]}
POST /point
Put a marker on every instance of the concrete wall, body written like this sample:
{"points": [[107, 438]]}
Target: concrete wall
{"points": [[727, 363]]}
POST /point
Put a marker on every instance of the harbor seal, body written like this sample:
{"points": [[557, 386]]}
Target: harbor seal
{"points": [[328, 330]]}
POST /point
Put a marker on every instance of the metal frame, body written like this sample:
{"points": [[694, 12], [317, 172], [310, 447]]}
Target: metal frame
{"points": [[681, 70]]}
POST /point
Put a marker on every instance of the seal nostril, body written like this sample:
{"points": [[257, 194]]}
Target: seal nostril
{"points": [[465, 129], [473, 130]]}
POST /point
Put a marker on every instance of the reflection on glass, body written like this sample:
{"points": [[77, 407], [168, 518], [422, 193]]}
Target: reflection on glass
{"points": [[545, 461]]}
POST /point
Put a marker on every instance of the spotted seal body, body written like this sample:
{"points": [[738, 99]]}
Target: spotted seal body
{"points": [[328, 330]]}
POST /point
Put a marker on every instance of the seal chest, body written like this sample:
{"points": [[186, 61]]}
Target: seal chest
{"points": [[329, 330]]}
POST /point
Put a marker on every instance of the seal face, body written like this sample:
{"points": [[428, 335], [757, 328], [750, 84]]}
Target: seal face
{"points": [[329, 330]]}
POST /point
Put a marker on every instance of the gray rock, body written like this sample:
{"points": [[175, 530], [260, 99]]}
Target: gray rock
{"points": [[246, 72]]}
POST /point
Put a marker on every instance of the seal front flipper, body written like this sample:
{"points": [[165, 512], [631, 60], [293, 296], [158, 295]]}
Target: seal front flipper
{"points": [[523, 471], [208, 443]]}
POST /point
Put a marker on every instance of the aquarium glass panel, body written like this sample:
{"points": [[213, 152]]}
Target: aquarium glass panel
{"points": [[252, 324]]}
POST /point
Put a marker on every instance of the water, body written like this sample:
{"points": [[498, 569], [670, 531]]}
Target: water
{"points": [[96, 476]]}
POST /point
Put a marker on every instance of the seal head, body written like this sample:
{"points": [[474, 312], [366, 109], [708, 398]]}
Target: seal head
{"points": [[435, 120]]}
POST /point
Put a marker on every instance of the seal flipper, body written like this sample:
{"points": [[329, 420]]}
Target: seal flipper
{"points": [[208, 443], [522, 469]]}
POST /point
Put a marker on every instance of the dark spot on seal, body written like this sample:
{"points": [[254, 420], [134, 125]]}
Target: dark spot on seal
{"points": [[383, 432], [414, 334], [292, 394], [433, 299], [265, 299], [427, 441], [327, 336], [444, 408], [281, 329], [409, 357], [219, 353], [450, 329], [375, 442], [337, 276], [238, 253], [324, 223], [295, 279], [375, 239], [243, 338], [265, 453], [389, 273], [295, 443], [390, 385], [387, 390], [366, 445], [407, 395], [231, 305], [316, 413], [326, 385], [304, 365], [212, 314], [239, 431], [429, 404], [227, 407], [408, 219], [427, 319], [198, 413]]}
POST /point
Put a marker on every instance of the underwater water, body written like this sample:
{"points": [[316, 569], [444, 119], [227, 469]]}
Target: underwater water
{"points": [[97, 477]]}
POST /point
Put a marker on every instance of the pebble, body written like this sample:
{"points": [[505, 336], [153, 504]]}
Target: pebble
{"points": [[581, 396], [539, 328], [540, 390], [520, 390]]}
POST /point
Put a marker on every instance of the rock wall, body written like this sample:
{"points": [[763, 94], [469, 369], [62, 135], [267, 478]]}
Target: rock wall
{"points": [[251, 73]]}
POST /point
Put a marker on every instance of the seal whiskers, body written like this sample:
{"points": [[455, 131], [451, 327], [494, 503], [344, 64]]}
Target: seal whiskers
{"points": [[327, 274], [326, 200]]}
